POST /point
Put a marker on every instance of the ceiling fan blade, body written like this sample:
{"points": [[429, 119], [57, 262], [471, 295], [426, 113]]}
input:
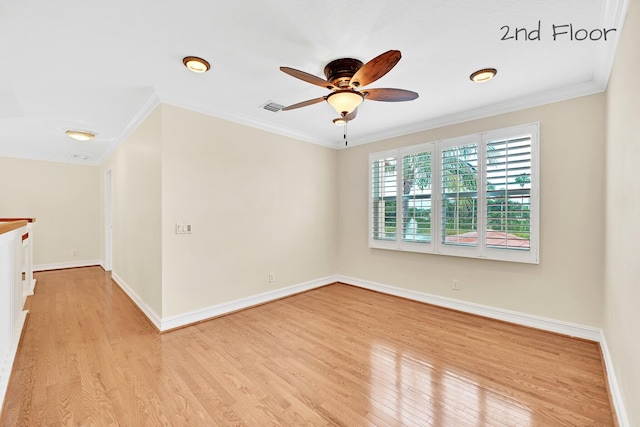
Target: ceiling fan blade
{"points": [[309, 78], [352, 115], [376, 68], [389, 95], [304, 103]]}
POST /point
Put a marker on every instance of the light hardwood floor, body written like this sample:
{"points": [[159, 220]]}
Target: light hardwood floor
{"points": [[337, 355]]}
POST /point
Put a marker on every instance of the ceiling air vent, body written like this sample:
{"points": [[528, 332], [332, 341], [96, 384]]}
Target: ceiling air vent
{"points": [[272, 106]]}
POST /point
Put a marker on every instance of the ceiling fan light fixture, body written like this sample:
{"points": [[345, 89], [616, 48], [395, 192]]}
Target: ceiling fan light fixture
{"points": [[483, 75], [80, 135], [345, 101], [340, 121], [195, 64]]}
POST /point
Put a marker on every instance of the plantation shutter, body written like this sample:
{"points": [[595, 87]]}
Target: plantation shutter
{"points": [[459, 189], [508, 193], [383, 197], [474, 196], [416, 197]]}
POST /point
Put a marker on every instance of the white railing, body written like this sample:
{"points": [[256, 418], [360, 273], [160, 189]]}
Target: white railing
{"points": [[12, 316], [28, 282]]}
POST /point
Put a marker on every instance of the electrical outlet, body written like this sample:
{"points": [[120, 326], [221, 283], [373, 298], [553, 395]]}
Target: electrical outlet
{"points": [[272, 277], [456, 285]]}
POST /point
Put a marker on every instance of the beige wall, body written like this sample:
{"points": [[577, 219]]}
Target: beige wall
{"points": [[259, 203], [622, 277], [136, 188], [566, 285], [64, 199]]}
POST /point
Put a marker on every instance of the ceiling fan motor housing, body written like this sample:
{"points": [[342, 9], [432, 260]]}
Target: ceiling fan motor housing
{"points": [[340, 71]]}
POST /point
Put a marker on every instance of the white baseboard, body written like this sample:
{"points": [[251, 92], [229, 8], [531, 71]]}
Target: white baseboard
{"points": [[558, 326], [538, 322], [63, 265], [180, 320], [614, 388], [13, 351], [143, 306], [530, 320]]}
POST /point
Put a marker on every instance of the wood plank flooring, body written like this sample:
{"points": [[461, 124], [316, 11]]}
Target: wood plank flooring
{"points": [[337, 355]]}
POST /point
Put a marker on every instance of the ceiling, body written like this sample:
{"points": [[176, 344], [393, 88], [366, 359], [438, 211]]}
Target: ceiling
{"points": [[103, 66]]}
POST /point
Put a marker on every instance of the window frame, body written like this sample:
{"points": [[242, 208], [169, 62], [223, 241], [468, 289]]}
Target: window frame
{"points": [[436, 244]]}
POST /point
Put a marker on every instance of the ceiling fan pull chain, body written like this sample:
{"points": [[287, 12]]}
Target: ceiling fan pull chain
{"points": [[345, 133]]}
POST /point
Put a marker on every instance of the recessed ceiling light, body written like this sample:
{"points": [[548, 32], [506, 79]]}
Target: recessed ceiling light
{"points": [[195, 64], [80, 135], [483, 75]]}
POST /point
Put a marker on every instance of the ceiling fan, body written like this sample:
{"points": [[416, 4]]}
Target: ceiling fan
{"points": [[346, 77]]}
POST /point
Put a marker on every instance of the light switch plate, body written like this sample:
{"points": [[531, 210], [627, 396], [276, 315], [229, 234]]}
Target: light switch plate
{"points": [[183, 228]]}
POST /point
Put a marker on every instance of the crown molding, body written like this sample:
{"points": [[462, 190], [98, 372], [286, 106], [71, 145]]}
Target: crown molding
{"points": [[244, 120], [613, 15], [535, 100], [151, 101]]}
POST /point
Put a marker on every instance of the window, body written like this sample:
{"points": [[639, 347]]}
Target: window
{"points": [[474, 196], [402, 200]]}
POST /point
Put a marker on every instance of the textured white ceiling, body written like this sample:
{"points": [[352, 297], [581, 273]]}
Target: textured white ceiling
{"points": [[101, 66]]}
